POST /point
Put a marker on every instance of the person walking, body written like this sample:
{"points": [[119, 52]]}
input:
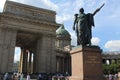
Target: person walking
{"points": [[116, 77], [21, 76], [110, 76], [28, 77], [5, 76]]}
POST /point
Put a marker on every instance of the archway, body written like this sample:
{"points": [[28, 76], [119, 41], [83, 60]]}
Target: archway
{"points": [[33, 30]]}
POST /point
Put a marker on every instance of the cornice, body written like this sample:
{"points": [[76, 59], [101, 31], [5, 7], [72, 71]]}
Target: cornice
{"points": [[35, 31], [40, 21], [28, 7], [62, 51]]}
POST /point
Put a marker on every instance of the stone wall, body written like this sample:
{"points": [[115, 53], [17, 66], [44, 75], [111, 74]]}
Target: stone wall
{"points": [[7, 47]]}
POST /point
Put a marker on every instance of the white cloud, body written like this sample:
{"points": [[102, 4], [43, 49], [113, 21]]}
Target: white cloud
{"points": [[115, 14], [21, 1], [63, 18], [113, 45], [49, 4], [38, 3], [74, 39], [78, 4], [2, 2], [69, 8], [66, 4], [64, 13], [66, 9], [95, 41], [17, 54]]}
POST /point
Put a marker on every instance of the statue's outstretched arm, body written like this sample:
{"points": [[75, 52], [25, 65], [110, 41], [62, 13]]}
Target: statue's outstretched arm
{"points": [[97, 10]]}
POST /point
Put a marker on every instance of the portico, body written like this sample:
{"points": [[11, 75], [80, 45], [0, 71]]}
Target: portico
{"points": [[33, 30]]}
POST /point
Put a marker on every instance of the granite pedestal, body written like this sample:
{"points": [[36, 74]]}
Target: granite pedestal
{"points": [[86, 63]]}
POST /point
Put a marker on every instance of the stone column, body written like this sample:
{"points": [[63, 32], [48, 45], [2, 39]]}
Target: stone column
{"points": [[44, 54], [34, 63], [23, 69], [21, 61], [69, 69], [30, 56], [53, 55], [7, 47], [25, 61], [57, 64], [104, 61], [110, 61], [63, 65], [36, 58], [67, 64]]}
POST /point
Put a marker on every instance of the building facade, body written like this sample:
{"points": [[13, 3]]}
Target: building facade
{"points": [[108, 57], [34, 31]]}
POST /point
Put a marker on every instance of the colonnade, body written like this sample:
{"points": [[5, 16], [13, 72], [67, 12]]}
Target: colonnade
{"points": [[109, 61], [63, 64], [60, 64], [26, 62]]}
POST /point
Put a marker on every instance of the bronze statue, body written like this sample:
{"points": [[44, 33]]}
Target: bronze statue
{"points": [[82, 25]]}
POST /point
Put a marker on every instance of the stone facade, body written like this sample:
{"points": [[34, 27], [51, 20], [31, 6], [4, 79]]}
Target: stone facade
{"points": [[107, 57], [63, 45], [7, 46], [34, 30]]}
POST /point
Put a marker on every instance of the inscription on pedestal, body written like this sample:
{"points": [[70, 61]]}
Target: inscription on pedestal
{"points": [[92, 60]]}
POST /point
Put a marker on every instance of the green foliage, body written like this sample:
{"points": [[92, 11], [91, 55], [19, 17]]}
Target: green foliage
{"points": [[112, 68]]}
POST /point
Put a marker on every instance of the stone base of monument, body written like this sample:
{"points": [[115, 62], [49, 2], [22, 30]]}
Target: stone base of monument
{"points": [[86, 63], [118, 75]]}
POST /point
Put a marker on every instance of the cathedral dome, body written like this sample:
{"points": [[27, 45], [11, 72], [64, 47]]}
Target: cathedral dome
{"points": [[62, 31]]}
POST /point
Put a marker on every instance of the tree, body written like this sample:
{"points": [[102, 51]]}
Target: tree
{"points": [[112, 68]]}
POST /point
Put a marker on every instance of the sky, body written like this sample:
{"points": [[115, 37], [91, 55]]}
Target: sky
{"points": [[106, 32]]}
